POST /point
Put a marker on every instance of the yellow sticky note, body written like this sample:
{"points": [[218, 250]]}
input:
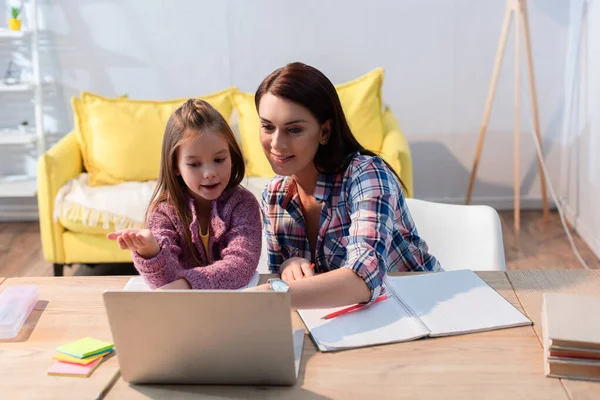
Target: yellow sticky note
{"points": [[85, 347], [74, 360]]}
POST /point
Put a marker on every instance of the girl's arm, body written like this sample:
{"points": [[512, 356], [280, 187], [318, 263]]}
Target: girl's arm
{"points": [[239, 259], [163, 268]]}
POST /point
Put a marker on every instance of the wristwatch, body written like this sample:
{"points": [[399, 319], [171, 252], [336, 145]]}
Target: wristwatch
{"points": [[278, 285]]}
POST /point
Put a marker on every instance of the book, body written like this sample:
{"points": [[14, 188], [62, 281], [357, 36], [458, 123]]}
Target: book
{"points": [[418, 306], [137, 283], [571, 321], [568, 353], [85, 347], [573, 369], [60, 368], [571, 336]]}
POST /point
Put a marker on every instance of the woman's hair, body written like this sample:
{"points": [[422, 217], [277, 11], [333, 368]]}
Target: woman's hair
{"points": [[310, 88], [194, 118]]}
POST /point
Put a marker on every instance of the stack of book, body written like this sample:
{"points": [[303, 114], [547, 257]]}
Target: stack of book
{"points": [[571, 336]]}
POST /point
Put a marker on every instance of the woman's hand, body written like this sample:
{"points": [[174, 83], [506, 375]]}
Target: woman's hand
{"points": [[296, 268], [140, 240]]}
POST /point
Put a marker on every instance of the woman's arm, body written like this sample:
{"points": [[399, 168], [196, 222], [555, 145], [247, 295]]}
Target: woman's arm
{"points": [[336, 288]]}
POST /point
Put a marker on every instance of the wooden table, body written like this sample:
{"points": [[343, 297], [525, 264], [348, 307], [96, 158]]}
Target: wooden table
{"points": [[530, 285], [68, 309], [502, 364]]}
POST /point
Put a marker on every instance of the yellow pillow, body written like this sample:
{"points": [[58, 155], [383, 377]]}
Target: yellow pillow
{"points": [[121, 139], [396, 151], [249, 125], [362, 104], [87, 97]]}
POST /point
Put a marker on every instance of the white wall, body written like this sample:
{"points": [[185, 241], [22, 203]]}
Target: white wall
{"points": [[580, 177], [437, 54]]}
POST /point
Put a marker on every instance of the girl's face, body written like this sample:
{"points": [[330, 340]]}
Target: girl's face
{"points": [[204, 163], [290, 135]]}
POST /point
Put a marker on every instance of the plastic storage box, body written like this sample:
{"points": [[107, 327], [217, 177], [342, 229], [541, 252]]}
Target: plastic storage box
{"points": [[16, 303]]}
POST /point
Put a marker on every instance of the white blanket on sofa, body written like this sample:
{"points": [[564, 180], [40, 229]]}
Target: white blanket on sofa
{"points": [[123, 204]]}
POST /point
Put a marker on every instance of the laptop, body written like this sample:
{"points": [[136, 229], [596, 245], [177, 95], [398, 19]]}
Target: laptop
{"points": [[204, 337]]}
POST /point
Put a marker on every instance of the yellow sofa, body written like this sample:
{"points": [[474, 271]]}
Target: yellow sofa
{"points": [[66, 243]]}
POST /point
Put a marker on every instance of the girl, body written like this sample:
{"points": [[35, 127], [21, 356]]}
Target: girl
{"points": [[204, 230], [335, 215]]}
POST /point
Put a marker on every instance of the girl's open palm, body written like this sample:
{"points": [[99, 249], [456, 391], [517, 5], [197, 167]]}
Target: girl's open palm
{"points": [[140, 240]]}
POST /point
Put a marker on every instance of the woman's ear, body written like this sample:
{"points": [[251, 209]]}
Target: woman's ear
{"points": [[325, 132]]}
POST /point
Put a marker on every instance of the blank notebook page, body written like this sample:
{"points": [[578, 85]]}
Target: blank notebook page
{"points": [[379, 323], [455, 302]]}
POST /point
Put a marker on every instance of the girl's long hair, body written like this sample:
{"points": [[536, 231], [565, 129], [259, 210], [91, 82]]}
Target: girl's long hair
{"points": [[192, 119]]}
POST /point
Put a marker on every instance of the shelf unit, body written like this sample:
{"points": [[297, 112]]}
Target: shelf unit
{"points": [[17, 138], [24, 185], [7, 33], [18, 186]]}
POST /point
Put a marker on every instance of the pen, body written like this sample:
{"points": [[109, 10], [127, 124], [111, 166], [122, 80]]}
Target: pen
{"points": [[352, 308], [109, 385]]}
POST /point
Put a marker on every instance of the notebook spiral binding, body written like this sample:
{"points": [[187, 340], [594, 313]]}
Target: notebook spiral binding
{"points": [[406, 308]]}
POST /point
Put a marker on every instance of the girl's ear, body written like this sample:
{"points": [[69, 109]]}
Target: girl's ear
{"points": [[325, 132]]}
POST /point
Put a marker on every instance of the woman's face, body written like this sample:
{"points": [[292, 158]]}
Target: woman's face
{"points": [[290, 135]]}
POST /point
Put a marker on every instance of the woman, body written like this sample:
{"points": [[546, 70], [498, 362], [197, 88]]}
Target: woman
{"points": [[335, 215]]}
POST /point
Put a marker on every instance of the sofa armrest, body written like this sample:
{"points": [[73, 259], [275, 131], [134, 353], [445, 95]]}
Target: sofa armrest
{"points": [[396, 151], [55, 168]]}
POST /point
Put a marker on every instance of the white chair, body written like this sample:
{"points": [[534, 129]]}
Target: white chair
{"points": [[460, 236]]}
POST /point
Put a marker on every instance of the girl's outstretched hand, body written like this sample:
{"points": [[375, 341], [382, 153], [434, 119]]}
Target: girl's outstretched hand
{"points": [[140, 240]]}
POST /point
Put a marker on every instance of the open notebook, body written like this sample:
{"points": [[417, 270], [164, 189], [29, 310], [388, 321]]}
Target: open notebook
{"points": [[418, 306], [137, 283]]}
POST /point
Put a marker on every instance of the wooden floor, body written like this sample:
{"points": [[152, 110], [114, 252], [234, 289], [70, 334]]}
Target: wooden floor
{"points": [[541, 245]]}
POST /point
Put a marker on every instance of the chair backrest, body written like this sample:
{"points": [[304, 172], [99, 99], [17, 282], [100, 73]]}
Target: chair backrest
{"points": [[460, 236]]}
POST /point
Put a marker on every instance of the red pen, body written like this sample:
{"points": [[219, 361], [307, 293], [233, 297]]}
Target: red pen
{"points": [[352, 308]]}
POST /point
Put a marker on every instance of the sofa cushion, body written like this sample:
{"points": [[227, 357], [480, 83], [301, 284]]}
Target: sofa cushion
{"points": [[121, 139], [396, 151], [362, 104]]}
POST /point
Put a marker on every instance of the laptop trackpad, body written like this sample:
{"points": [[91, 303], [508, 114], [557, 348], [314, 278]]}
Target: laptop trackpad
{"points": [[298, 336]]}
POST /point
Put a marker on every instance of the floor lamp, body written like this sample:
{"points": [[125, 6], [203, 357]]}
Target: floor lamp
{"points": [[518, 8]]}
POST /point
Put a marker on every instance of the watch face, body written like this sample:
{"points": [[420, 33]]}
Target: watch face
{"points": [[279, 286]]}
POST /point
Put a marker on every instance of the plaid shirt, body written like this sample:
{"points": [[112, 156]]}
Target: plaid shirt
{"points": [[364, 225]]}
